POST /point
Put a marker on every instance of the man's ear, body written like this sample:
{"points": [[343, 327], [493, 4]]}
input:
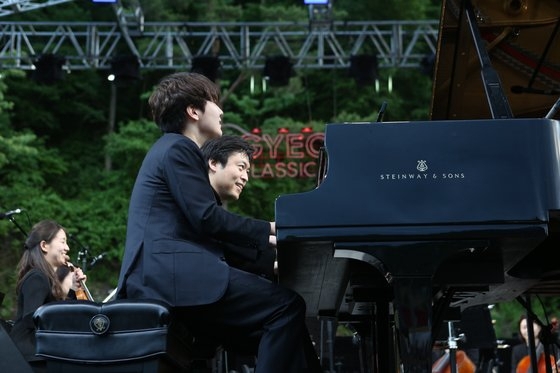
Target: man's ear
{"points": [[192, 112], [212, 165]]}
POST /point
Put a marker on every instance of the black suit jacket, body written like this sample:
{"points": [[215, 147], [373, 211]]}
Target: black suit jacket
{"points": [[175, 224]]}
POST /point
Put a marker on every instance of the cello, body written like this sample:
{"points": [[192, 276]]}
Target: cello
{"points": [[524, 365], [464, 364]]}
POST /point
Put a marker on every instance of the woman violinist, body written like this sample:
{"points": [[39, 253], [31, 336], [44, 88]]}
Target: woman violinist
{"points": [[38, 283]]}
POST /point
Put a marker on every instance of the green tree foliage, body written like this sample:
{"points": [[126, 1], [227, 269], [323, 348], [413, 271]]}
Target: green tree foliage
{"points": [[26, 165], [223, 10], [54, 139], [395, 9], [506, 315]]}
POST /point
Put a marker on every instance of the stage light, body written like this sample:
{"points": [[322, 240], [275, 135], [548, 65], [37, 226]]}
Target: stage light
{"points": [[48, 68], [283, 130], [256, 131], [307, 130], [208, 66], [278, 70], [363, 68], [320, 14], [124, 68]]}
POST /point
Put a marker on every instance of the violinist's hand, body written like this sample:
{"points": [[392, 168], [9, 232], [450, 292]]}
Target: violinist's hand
{"points": [[79, 276]]}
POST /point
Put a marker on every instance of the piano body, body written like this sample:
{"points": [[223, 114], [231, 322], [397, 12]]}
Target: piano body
{"points": [[413, 220]]}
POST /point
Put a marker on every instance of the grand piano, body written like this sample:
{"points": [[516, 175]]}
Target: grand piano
{"points": [[413, 222]]}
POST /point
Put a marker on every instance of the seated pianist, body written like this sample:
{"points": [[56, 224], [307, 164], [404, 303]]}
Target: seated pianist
{"points": [[174, 224]]}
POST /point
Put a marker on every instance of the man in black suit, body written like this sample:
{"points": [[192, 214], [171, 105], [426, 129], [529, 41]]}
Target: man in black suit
{"points": [[229, 162], [174, 251]]}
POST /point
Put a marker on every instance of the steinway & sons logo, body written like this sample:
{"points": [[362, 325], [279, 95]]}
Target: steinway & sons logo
{"points": [[422, 173]]}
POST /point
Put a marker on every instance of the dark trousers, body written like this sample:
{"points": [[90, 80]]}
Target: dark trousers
{"points": [[256, 316]]}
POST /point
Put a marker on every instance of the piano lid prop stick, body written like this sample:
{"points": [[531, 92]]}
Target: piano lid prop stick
{"points": [[553, 110], [382, 111]]}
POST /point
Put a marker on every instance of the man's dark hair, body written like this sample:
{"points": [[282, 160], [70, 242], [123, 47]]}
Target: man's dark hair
{"points": [[221, 148], [174, 93]]}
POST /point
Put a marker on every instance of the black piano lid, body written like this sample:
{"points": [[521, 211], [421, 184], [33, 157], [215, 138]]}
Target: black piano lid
{"points": [[432, 173], [505, 65]]}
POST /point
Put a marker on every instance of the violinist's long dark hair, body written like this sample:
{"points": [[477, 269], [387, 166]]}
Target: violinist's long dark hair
{"points": [[34, 258]]}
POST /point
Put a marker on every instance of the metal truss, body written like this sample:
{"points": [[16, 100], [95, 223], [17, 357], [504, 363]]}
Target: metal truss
{"points": [[8, 7], [238, 45]]}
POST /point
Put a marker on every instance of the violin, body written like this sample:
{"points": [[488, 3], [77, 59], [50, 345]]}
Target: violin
{"points": [[464, 364], [82, 293], [524, 365]]}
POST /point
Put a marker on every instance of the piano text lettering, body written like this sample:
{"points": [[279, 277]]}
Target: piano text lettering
{"points": [[285, 155], [284, 169], [403, 176], [422, 176], [449, 175]]}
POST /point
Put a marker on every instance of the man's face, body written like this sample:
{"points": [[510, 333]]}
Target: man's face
{"points": [[229, 180], [210, 122]]}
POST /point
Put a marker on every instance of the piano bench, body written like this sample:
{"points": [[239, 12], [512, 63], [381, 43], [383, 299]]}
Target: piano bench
{"points": [[124, 336]]}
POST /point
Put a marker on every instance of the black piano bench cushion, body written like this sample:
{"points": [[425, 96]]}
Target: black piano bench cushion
{"points": [[89, 332]]}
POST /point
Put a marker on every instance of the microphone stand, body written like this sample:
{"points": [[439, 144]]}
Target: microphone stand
{"points": [[82, 254], [11, 218], [452, 345]]}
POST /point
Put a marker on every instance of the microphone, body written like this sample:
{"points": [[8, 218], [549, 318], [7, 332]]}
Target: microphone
{"points": [[95, 259], [8, 214]]}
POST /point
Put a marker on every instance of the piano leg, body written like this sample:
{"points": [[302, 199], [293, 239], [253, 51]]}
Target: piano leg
{"points": [[413, 313], [411, 280], [368, 353], [384, 338], [327, 340]]}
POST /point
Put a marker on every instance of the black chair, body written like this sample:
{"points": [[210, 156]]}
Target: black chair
{"points": [[124, 336]]}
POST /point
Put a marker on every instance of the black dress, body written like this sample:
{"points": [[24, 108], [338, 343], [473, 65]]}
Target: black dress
{"points": [[34, 292], [518, 352]]}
